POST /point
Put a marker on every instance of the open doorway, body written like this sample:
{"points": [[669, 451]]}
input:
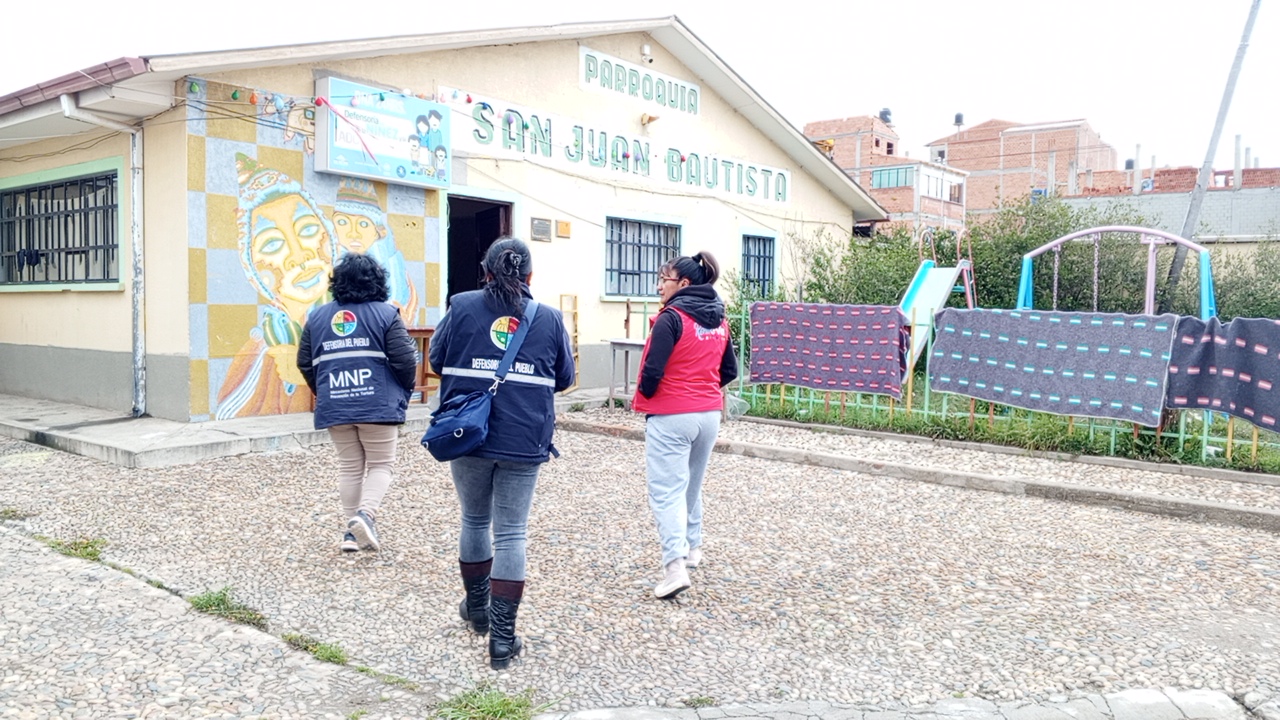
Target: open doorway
{"points": [[473, 226]]}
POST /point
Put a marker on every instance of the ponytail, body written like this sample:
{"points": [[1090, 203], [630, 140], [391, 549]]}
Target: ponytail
{"points": [[701, 269], [506, 265]]}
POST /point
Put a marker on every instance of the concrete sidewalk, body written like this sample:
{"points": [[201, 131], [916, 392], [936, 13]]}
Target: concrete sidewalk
{"points": [[153, 442], [1169, 704]]}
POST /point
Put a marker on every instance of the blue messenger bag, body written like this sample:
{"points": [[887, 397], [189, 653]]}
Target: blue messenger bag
{"points": [[461, 424]]}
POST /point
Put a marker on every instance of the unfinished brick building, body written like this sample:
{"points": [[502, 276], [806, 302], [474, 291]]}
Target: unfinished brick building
{"points": [[917, 193], [1007, 161]]}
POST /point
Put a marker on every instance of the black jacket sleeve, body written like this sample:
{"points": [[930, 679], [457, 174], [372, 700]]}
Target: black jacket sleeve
{"points": [[401, 353], [662, 340], [564, 367], [440, 342], [728, 365], [305, 358]]}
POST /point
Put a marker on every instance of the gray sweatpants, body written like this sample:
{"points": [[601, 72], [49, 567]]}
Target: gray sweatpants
{"points": [[676, 450]]}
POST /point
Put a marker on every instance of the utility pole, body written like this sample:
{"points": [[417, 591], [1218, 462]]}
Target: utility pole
{"points": [[1206, 170]]}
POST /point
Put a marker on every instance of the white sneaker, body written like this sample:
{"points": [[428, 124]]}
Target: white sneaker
{"points": [[695, 557], [674, 582]]}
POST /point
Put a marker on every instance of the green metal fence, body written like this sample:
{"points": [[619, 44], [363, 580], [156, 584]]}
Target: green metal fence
{"points": [[1194, 437]]}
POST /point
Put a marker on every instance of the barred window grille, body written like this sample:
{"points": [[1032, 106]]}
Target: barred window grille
{"points": [[634, 252], [757, 265], [60, 232]]}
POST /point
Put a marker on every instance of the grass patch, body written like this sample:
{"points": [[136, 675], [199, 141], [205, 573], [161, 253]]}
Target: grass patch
{"points": [[388, 678], [11, 513], [83, 548], [157, 584], [221, 604], [699, 701], [325, 652], [577, 407], [357, 714], [485, 702]]}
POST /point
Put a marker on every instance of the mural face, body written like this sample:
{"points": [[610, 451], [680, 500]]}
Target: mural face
{"points": [[265, 232], [361, 224], [356, 233], [290, 249]]}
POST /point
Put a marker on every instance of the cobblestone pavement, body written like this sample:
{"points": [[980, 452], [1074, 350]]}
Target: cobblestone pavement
{"points": [[81, 640], [819, 586]]}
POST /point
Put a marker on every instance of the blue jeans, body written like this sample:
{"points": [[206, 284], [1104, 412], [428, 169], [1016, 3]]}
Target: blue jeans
{"points": [[676, 451], [497, 495]]}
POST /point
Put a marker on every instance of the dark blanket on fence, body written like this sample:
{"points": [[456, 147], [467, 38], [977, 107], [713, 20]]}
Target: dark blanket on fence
{"points": [[1232, 368], [853, 348], [1093, 364]]}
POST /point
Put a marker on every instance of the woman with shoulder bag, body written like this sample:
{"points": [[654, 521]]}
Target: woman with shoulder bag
{"points": [[357, 357], [495, 482], [687, 360]]}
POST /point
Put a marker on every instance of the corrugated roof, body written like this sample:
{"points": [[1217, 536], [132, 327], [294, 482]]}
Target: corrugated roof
{"points": [[669, 31]]}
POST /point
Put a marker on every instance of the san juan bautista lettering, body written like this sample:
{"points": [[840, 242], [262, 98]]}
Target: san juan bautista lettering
{"points": [[555, 140]]}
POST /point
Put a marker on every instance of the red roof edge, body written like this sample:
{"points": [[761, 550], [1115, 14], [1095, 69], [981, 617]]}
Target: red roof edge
{"points": [[91, 77]]}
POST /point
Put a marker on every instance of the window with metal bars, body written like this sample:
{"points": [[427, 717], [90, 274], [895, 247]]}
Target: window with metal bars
{"points": [[634, 252], [757, 265], [62, 232]]}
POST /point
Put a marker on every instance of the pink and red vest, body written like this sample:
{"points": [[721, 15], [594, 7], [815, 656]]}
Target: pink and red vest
{"points": [[691, 381]]}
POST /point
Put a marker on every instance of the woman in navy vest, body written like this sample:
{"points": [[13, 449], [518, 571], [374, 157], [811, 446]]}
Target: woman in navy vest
{"points": [[687, 360], [358, 359], [495, 482]]}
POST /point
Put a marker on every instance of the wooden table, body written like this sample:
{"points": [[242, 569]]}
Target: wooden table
{"points": [[626, 345], [421, 336]]}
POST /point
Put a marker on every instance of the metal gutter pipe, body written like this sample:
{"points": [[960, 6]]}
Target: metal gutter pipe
{"points": [[137, 294]]}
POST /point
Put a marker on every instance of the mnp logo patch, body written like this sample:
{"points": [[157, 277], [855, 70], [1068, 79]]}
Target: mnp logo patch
{"points": [[502, 330], [344, 322]]}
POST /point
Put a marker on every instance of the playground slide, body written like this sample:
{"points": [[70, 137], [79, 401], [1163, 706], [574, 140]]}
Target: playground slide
{"points": [[925, 296]]}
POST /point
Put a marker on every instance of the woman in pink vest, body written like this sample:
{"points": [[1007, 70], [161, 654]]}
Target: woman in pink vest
{"points": [[688, 359]]}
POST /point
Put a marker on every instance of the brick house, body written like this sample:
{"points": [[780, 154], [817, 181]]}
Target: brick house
{"points": [[916, 193], [1007, 160]]}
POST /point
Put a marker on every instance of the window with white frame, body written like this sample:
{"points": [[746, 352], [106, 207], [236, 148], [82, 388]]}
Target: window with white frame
{"points": [[634, 251], [63, 232], [757, 265], [931, 186], [893, 177]]}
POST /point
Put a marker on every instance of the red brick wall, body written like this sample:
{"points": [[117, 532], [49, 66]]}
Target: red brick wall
{"points": [[1006, 168]]}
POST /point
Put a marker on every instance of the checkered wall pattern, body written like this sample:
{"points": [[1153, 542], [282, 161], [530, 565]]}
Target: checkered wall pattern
{"points": [[852, 348], [1101, 365], [1232, 368], [242, 345]]}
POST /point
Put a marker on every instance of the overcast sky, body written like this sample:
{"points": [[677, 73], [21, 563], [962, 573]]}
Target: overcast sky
{"points": [[1140, 71]]}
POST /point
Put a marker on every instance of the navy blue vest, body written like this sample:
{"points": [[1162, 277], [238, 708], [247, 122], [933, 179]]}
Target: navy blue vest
{"points": [[354, 380]]}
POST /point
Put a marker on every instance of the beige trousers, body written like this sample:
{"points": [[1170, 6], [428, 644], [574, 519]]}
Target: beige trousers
{"points": [[366, 453]]}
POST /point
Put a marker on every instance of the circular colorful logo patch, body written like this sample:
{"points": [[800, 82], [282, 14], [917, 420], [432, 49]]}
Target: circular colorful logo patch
{"points": [[344, 322], [502, 330]]}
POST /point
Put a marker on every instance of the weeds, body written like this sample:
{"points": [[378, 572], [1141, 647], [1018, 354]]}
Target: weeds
{"points": [[356, 715], [221, 604], [324, 652], [83, 548], [699, 701], [388, 678], [11, 513], [577, 407], [485, 702]]}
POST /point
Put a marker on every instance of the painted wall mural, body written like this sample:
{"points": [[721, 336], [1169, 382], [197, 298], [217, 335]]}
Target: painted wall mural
{"points": [[264, 231]]}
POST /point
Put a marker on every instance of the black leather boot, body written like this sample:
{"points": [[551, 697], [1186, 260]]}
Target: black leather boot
{"points": [[503, 643], [474, 608]]}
